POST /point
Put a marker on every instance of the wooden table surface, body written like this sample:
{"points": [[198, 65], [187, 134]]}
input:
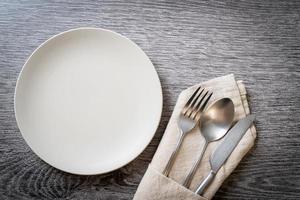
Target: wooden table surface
{"points": [[188, 42]]}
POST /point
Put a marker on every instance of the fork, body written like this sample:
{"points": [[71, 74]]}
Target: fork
{"points": [[188, 120]]}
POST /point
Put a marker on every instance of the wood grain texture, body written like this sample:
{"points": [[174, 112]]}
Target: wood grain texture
{"points": [[188, 42]]}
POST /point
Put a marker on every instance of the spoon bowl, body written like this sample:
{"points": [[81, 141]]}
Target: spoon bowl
{"points": [[217, 119]]}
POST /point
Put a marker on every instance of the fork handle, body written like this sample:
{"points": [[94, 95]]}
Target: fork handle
{"points": [[174, 154]]}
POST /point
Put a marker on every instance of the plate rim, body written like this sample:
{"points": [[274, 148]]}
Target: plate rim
{"points": [[156, 126]]}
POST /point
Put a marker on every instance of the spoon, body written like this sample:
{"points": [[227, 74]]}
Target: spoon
{"points": [[214, 124]]}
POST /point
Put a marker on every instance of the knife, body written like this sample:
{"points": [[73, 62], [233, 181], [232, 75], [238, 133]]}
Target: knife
{"points": [[224, 150]]}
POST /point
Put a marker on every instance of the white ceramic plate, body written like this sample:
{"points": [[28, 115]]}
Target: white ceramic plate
{"points": [[88, 101]]}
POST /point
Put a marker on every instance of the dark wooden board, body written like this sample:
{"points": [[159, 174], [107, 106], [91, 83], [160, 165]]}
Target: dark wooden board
{"points": [[188, 42]]}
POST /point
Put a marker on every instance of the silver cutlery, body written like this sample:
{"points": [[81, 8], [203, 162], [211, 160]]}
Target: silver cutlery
{"points": [[214, 123], [224, 150], [188, 120]]}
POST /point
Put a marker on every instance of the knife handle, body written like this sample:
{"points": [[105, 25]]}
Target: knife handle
{"points": [[205, 182]]}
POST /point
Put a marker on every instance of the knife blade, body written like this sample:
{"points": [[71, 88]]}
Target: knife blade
{"points": [[224, 150]]}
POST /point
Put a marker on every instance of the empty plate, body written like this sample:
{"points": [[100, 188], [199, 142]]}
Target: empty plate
{"points": [[88, 101]]}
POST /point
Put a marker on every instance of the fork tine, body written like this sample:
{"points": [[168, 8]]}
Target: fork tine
{"points": [[205, 102], [193, 95], [186, 106], [191, 107], [199, 110], [197, 107], [196, 99]]}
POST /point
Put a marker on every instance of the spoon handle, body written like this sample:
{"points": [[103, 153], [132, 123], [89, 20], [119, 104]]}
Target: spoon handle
{"points": [[189, 177], [174, 154]]}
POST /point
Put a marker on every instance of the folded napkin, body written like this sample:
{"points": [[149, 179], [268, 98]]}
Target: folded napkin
{"points": [[156, 186]]}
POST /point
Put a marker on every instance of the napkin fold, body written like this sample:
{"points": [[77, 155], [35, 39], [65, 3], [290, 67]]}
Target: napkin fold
{"points": [[156, 186]]}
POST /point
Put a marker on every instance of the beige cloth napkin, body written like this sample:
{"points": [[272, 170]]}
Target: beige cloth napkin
{"points": [[155, 186]]}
